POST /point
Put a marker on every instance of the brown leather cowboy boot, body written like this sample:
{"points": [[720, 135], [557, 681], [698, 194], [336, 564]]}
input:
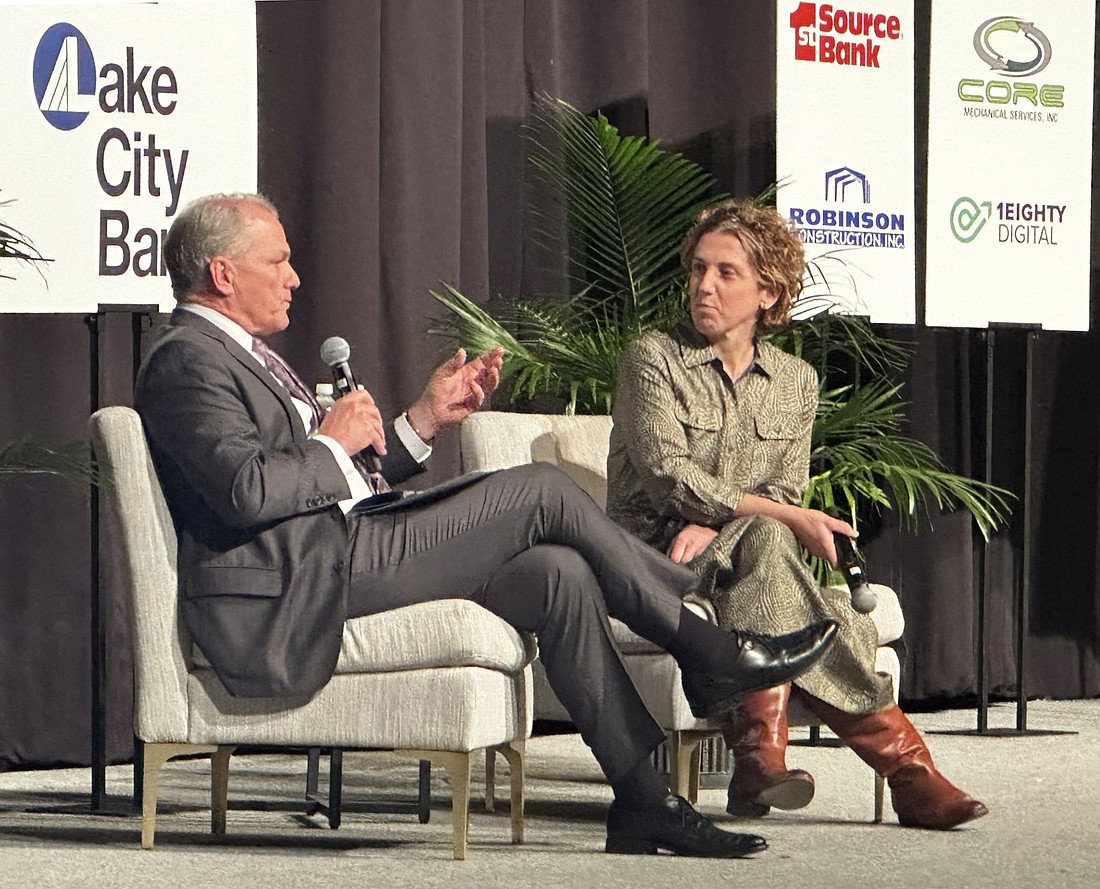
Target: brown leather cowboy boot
{"points": [[888, 742], [756, 734]]}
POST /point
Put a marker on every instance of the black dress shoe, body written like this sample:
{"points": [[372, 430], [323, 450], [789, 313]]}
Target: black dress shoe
{"points": [[674, 825], [762, 662]]}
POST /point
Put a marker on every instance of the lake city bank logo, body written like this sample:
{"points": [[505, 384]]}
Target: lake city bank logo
{"points": [[846, 227], [1018, 222], [820, 35], [131, 159], [1013, 49], [64, 76]]}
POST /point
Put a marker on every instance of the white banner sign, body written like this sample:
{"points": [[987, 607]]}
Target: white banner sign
{"points": [[844, 148], [114, 117], [1009, 163]]}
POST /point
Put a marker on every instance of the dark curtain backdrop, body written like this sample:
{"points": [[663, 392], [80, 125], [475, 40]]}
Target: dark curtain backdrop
{"points": [[390, 138]]}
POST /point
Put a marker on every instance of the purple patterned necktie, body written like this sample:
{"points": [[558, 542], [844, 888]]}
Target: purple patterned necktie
{"points": [[279, 369], [282, 372]]}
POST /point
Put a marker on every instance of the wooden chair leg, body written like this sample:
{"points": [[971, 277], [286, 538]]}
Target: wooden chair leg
{"points": [[491, 779], [219, 787], [693, 771], [154, 756], [456, 766], [683, 764], [514, 753], [880, 794]]}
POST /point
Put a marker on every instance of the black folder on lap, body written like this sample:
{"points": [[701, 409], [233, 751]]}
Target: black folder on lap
{"points": [[394, 500]]}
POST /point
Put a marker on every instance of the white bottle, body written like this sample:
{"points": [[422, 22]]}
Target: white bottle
{"points": [[325, 396]]}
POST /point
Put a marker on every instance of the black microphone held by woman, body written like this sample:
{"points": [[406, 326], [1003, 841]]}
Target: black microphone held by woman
{"points": [[851, 566]]}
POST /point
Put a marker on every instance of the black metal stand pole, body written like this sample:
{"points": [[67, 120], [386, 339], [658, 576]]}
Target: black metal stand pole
{"points": [[99, 641], [1022, 585], [140, 318], [983, 567]]}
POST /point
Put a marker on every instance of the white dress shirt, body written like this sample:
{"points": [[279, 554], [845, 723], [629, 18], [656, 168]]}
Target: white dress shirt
{"points": [[419, 449]]}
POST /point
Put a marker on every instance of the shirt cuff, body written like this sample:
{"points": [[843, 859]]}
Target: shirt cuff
{"points": [[418, 449]]}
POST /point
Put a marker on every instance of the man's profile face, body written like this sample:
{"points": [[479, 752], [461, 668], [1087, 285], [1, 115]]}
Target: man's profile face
{"points": [[261, 276]]}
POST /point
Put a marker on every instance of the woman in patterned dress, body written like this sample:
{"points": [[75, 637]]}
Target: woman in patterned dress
{"points": [[709, 460]]}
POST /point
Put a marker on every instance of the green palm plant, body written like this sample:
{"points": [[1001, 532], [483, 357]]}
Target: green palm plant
{"points": [[627, 204], [27, 454]]}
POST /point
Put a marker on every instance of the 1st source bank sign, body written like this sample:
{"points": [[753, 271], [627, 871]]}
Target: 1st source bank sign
{"points": [[854, 37]]}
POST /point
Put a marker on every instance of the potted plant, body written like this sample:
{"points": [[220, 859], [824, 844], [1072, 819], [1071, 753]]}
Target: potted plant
{"points": [[626, 206], [27, 454]]}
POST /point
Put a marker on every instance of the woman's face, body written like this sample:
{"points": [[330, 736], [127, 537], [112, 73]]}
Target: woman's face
{"points": [[725, 294]]}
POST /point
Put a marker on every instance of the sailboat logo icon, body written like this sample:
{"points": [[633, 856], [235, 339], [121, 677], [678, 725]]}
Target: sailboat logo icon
{"points": [[64, 76]]}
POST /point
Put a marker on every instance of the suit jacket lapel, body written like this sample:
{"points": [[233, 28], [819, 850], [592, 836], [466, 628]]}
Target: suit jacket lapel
{"points": [[246, 359]]}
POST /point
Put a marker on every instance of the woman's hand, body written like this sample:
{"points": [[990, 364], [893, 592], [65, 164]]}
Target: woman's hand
{"points": [[814, 530], [691, 541]]}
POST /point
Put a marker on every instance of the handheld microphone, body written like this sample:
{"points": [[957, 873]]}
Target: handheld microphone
{"points": [[850, 564], [336, 352]]}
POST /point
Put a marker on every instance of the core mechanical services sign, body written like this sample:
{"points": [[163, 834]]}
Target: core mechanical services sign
{"points": [[114, 117], [844, 149], [1009, 163]]}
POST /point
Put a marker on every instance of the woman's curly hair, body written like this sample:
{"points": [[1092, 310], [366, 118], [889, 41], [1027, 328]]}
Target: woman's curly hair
{"points": [[771, 242]]}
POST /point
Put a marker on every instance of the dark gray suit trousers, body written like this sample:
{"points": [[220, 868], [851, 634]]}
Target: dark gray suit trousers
{"points": [[533, 548]]}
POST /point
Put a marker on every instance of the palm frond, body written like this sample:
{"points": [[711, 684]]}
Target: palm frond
{"points": [[627, 202], [859, 458], [16, 245], [834, 341], [72, 462]]}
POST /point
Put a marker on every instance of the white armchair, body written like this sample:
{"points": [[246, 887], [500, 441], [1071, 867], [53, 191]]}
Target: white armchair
{"points": [[438, 680], [579, 445]]}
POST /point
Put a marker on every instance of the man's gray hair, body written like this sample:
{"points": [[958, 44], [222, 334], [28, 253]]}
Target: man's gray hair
{"points": [[207, 227]]}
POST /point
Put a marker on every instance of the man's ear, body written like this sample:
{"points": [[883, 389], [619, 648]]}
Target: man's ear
{"points": [[221, 275]]}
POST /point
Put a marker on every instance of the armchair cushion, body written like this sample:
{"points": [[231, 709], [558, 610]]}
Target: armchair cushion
{"points": [[443, 633]]}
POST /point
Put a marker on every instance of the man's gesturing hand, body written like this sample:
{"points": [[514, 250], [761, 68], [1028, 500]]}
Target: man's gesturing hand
{"points": [[455, 390]]}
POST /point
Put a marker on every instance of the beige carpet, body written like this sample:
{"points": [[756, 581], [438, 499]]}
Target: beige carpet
{"points": [[1043, 830]]}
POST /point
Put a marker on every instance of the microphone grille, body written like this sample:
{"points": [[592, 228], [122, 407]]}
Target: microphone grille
{"points": [[335, 350]]}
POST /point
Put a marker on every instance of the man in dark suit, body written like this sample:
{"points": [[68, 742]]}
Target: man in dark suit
{"points": [[284, 533]]}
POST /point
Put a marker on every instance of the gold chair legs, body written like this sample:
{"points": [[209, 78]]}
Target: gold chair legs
{"points": [[683, 762], [514, 754], [456, 767], [154, 758]]}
